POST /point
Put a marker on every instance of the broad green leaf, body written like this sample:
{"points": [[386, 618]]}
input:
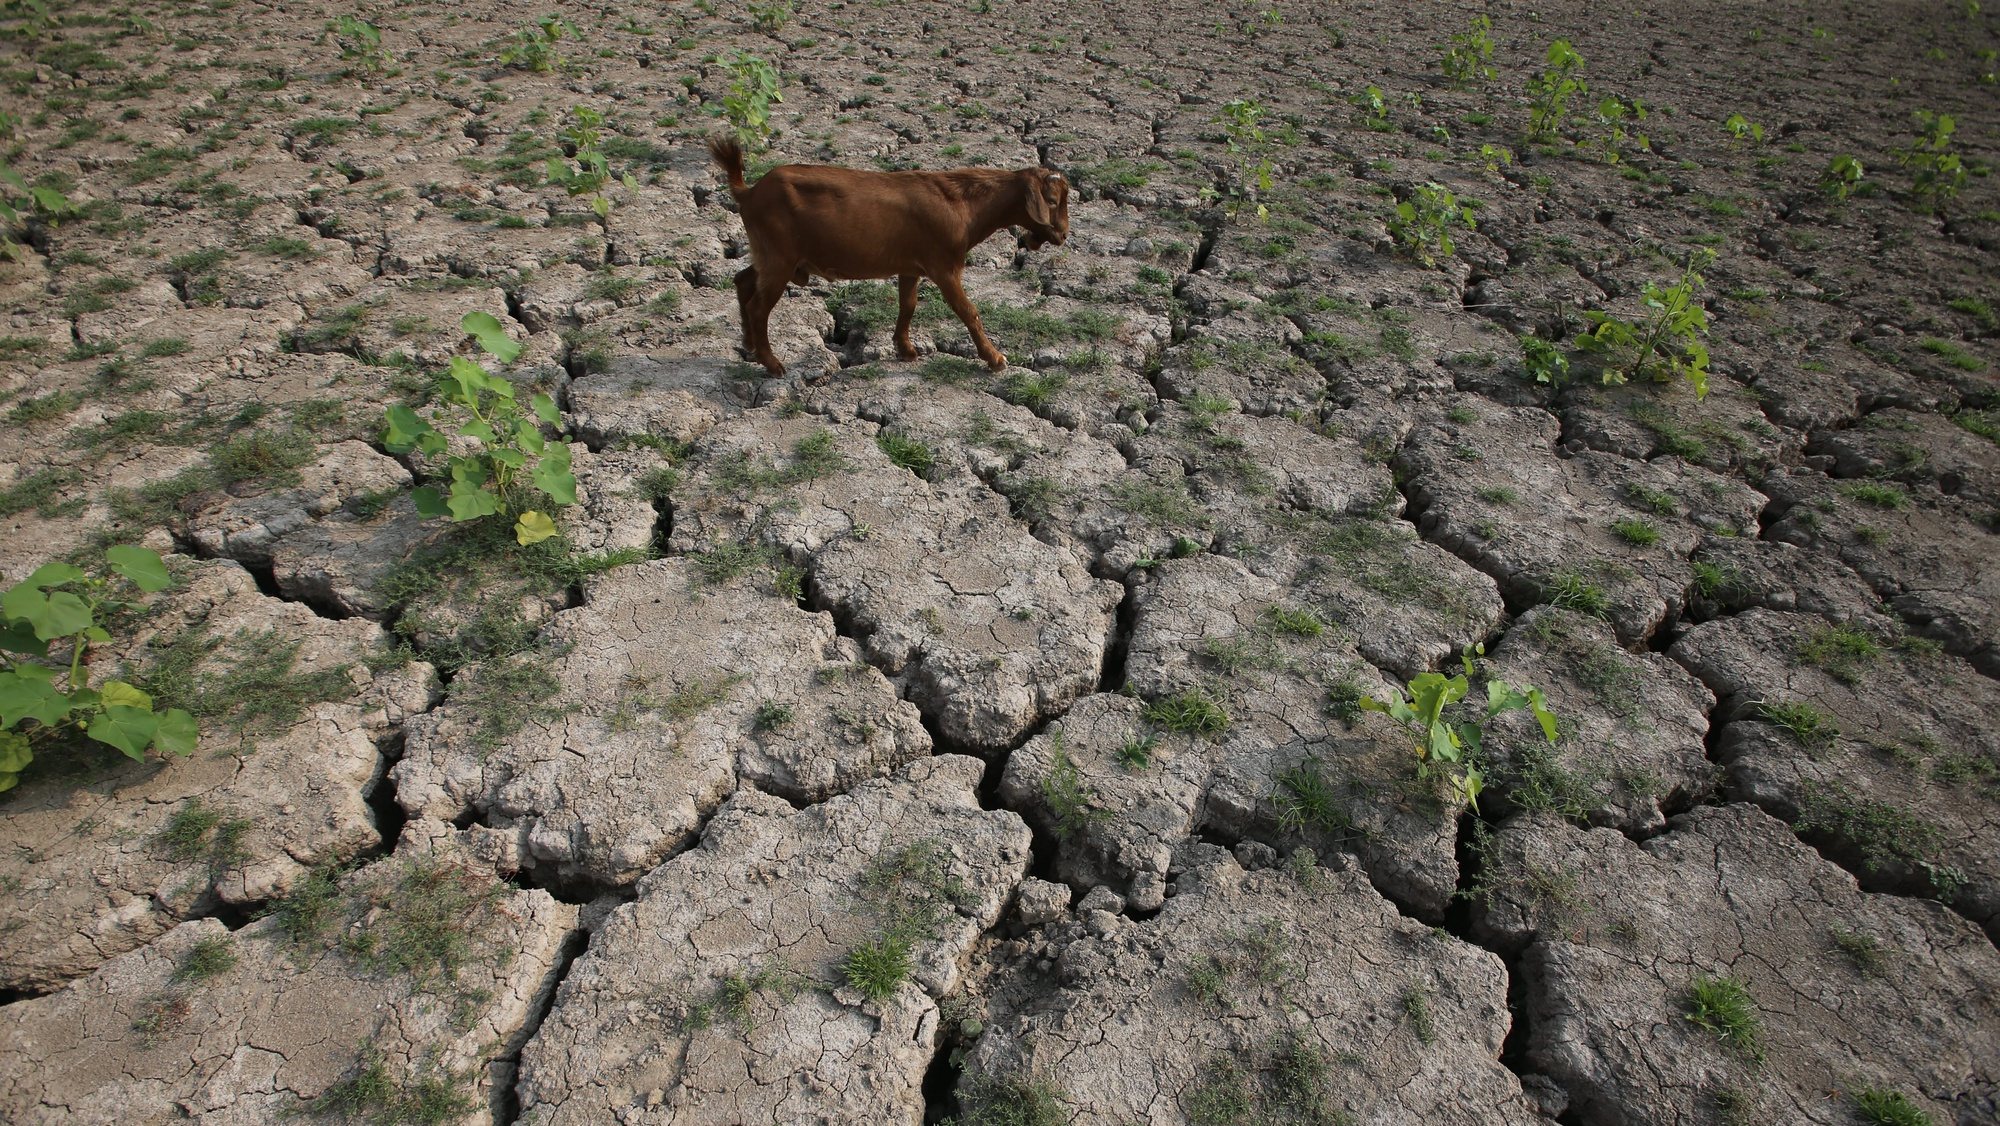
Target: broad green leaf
{"points": [[1441, 743], [406, 428], [97, 635], [14, 752], [545, 408], [528, 438], [28, 697], [1540, 708], [140, 565], [117, 693], [52, 574], [13, 177], [629, 182], [19, 637], [52, 615], [429, 502], [552, 474], [1469, 786], [177, 732], [51, 200], [486, 329], [470, 379], [508, 456], [533, 528], [479, 430], [470, 502], [130, 730]]}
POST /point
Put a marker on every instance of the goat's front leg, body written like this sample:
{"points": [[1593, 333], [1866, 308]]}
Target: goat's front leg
{"points": [[906, 310], [954, 295]]}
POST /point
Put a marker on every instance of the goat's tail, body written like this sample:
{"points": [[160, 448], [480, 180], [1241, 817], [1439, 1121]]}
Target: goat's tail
{"points": [[728, 154]]}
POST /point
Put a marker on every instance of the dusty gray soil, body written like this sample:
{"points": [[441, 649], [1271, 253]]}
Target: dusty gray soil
{"points": [[903, 742]]}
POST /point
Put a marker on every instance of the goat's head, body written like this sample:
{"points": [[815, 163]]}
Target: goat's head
{"points": [[1047, 208]]}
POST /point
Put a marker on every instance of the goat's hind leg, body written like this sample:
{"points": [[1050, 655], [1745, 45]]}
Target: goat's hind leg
{"points": [[746, 289], [757, 317], [906, 310]]}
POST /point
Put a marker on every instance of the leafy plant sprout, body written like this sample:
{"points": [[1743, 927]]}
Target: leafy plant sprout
{"points": [[1453, 749], [1550, 91], [1667, 342], [510, 444], [753, 90], [49, 622], [1249, 147], [1842, 176], [1470, 56], [1423, 222], [591, 170]]}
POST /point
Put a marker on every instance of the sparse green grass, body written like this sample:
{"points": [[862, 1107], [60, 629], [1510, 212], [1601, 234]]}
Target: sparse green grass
{"points": [[429, 1100], [1638, 533], [1572, 591], [1877, 494], [1417, 1008], [1070, 802], [421, 922], [1167, 506], [1191, 711], [1876, 832], [1880, 1106], [206, 960], [907, 452], [1652, 500], [1723, 1006], [1306, 799], [44, 408], [1807, 725], [877, 968], [1296, 623], [1013, 1102], [1843, 651], [1953, 354], [1863, 949], [252, 686], [1136, 753]]}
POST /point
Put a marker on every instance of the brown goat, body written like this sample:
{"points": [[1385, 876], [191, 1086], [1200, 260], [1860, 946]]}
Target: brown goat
{"points": [[840, 223]]}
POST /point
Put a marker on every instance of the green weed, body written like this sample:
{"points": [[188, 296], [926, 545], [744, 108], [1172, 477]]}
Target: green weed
{"points": [[1191, 711], [1723, 1006]]}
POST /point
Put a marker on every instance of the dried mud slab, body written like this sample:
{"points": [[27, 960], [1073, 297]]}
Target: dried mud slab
{"points": [[722, 994], [295, 712], [246, 528], [1841, 990], [661, 397], [663, 694], [989, 630], [1733, 574], [1237, 678], [1631, 726], [1919, 448], [1298, 998], [1930, 558], [1592, 531], [257, 1026], [1887, 756]]}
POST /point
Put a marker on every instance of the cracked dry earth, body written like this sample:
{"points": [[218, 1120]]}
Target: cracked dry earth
{"points": [[920, 743]]}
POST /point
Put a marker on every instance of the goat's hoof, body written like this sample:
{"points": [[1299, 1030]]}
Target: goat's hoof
{"points": [[998, 362], [906, 354]]}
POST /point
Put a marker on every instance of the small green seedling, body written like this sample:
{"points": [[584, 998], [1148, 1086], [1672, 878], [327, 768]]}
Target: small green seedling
{"points": [[1842, 175], [1374, 107], [1743, 129], [1469, 59], [1249, 147], [590, 171], [1454, 748], [510, 445], [534, 46], [1424, 221], [43, 203], [1937, 172], [753, 90], [1551, 90], [48, 623], [359, 40], [1544, 361], [1667, 342]]}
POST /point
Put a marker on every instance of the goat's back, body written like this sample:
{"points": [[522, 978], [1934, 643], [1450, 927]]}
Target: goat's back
{"points": [[854, 223]]}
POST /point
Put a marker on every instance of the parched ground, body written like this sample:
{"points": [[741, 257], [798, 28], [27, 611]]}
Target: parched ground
{"points": [[901, 742]]}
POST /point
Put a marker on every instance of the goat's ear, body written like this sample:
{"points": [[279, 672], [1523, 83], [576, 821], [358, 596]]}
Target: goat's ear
{"points": [[1038, 203]]}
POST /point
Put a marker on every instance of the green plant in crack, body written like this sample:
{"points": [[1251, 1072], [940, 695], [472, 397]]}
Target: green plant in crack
{"points": [[1012, 1102], [511, 464], [534, 47], [1069, 799], [1937, 172], [1807, 725], [1723, 1005], [1880, 1106], [753, 89], [1666, 342], [1249, 150], [586, 171], [906, 452], [1844, 652], [1307, 800], [430, 1098], [913, 892], [1422, 223], [249, 685], [419, 917], [197, 832], [1550, 91], [1453, 750], [207, 959]]}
